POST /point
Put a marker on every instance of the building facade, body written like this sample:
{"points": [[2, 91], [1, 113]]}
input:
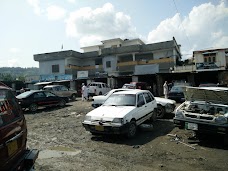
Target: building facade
{"points": [[115, 62]]}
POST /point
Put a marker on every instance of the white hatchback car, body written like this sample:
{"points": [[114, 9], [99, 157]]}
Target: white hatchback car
{"points": [[163, 105], [121, 113]]}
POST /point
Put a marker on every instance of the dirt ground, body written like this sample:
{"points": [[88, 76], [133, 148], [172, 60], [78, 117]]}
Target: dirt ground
{"points": [[65, 145]]}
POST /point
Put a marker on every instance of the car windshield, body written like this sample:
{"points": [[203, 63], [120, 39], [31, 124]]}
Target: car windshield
{"points": [[121, 100], [25, 94], [176, 89]]}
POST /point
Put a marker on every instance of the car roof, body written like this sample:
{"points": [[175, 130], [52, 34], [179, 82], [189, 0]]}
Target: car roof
{"points": [[133, 91], [52, 86]]}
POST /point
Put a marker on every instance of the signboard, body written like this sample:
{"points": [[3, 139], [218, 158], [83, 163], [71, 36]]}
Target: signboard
{"points": [[56, 77], [82, 74], [206, 66]]}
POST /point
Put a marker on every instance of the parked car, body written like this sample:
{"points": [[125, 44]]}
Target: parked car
{"points": [[163, 105], [40, 98], [122, 113], [136, 85], [176, 93], [62, 91], [14, 154], [204, 111], [97, 88]]}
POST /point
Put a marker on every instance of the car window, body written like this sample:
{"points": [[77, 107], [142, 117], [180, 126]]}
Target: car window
{"points": [[63, 88], [48, 88], [141, 101], [176, 89], [38, 95], [48, 94], [9, 108], [147, 97]]}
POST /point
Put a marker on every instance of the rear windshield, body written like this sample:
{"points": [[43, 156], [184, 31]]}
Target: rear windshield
{"points": [[9, 108]]}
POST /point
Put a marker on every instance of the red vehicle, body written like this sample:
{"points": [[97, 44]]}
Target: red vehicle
{"points": [[14, 154]]}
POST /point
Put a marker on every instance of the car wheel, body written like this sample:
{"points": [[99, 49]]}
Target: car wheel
{"points": [[132, 129], [160, 111], [73, 97], [33, 107], [62, 103]]}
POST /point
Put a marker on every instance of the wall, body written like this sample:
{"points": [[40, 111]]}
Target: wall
{"points": [[46, 66], [113, 60], [163, 54]]}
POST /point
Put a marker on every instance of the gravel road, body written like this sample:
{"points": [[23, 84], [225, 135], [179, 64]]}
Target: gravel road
{"points": [[65, 145]]}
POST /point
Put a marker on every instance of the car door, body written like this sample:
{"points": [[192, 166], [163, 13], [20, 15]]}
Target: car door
{"points": [[150, 101], [51, 98], [141, 109], [40, 99], [65, 91], [13, 130]]}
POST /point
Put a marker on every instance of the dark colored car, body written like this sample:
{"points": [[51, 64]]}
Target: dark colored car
{"points": [[40, 98], [14, 155], [176, 93]]}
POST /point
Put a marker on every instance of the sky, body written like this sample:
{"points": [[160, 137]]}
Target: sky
{"points": [[31, 27]]}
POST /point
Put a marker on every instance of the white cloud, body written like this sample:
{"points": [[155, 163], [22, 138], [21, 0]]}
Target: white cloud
{"points": [[36, 6], [13, 63], [14, 50], [91, 25], [54, 12], [204, 27], [71, 1]]}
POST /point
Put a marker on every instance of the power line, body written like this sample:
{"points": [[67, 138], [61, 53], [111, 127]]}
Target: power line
{"points": [[182, 24]]}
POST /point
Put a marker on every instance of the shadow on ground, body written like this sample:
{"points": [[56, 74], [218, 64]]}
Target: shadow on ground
{"points": [[160, 128]]}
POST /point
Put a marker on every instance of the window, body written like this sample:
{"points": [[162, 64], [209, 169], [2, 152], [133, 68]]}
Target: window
{"points": [[55, 68], [9, 108], [147, 97], [108, 64], [98, 61], [141, 101], [39, 95]]}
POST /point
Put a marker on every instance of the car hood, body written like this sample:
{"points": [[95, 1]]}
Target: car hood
{"points": [[218, 95], [111, 111], [164, 101]]}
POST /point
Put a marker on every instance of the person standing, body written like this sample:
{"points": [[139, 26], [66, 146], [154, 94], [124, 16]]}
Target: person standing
{"points": [[165, 89], [83, 91]]}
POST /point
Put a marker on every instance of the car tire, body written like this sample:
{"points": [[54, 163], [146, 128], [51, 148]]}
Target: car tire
{"points": [[132, 129], [160, 111], [62, 103], [73, 97], [33, 107]]}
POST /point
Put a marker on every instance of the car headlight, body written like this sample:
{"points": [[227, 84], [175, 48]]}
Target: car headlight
{"points": [[118, 120], [87, 118], [221, 119], [179, 114]]}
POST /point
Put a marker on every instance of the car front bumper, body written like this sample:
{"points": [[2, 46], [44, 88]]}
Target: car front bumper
{"points": [[27, 161], [203, 127], [106, 129]]}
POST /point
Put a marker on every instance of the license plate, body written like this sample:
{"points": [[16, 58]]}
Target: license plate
{"points": [[99, 128], [191, 126], [12, 147]]}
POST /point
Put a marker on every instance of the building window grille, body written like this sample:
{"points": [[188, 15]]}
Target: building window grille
{"points": [[108, 64], [55, 68]]}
